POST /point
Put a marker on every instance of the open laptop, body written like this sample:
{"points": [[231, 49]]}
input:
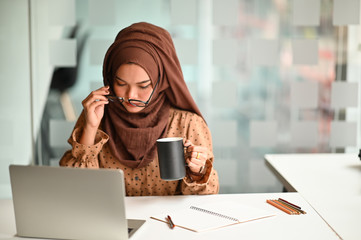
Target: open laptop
{"points": [[70, 203]]}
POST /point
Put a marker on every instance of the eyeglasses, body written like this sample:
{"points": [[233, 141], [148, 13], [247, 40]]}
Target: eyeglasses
{"points": [[134, 102]]}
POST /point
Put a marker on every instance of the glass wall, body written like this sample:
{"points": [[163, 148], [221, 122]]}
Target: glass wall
{"points": [[15, 99], [270, 76]]}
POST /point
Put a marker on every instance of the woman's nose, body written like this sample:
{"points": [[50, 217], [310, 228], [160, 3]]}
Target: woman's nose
{"points": [[132, 93]]}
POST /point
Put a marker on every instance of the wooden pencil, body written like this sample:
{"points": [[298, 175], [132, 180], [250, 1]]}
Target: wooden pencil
{"points": [[296, 211], [275, 204], [294, 207], [283, 200]]}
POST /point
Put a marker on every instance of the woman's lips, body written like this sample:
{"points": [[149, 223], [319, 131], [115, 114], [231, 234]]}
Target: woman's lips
{"points": [[129, 105]]}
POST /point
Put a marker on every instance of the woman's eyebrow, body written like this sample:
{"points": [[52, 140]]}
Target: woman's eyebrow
{"points": [[120, 79], [145, 81]]}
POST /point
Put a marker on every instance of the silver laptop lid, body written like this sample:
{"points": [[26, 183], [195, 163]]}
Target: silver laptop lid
{"points": [[68, 203]]}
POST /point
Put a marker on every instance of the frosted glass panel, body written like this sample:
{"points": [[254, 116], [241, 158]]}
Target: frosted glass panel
{"points": [[304, 134], [187, 51], [62, 53], [263, 134], [304, 94], [95, 85], [343, 134], [6, 95], [5, 51], [62, 12], [7, 132], [225, 52], [227, 171], [192, 87], [225, 12], [15, 98], [257, 168], [224, 133], [306, 12], [60, 131], [54, 162], [98, 48], [4, 171], [184, 12], [264, 52], [305, 51], [102, 12], [224, 94], [346, 12], [344, 94]]}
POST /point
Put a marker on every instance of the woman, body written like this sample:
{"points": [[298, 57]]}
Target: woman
{"points": [[144, 98]]}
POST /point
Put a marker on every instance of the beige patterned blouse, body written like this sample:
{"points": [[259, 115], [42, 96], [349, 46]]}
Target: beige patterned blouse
{"points": [[146, 181]]}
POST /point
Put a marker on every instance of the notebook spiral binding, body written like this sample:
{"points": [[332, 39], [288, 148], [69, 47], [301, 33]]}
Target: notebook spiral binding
{"points": [[214, 213]]}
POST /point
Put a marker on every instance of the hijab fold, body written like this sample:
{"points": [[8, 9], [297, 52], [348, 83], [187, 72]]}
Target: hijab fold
{"points": [[133, 135]]}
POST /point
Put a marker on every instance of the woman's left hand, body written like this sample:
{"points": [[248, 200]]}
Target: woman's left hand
{"points": [[196, 157]]}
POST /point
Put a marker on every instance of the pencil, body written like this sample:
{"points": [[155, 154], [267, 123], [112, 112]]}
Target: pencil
{"points": [[291, 206], [275, 204], [281, 199], [288, 207]]}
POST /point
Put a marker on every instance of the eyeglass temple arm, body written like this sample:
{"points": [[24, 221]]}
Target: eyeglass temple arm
{"points": [[150, 97]]}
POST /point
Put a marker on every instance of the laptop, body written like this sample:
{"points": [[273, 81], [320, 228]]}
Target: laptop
{"points": [[70, 203]]}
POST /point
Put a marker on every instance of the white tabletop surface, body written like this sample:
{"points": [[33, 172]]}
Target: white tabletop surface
{"points": [[282, 226], [331, 183]]}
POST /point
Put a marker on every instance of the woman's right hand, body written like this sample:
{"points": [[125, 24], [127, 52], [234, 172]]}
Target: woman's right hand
{"points": [[93, 106]]}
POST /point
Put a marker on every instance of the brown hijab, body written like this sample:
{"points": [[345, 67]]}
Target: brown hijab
{"points": [[133, 135]]}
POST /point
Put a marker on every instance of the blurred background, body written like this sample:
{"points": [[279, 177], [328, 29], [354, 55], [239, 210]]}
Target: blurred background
{"points": [[270, 76]]}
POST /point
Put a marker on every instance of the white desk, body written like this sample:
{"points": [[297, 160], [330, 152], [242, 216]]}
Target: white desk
{"points": [[331, 183], [282, 226]]}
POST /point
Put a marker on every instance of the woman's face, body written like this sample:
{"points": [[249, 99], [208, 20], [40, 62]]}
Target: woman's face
{"points": [[132, 82]]}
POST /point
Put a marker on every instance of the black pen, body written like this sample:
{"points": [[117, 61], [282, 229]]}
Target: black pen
{"points": [[169, 220]]}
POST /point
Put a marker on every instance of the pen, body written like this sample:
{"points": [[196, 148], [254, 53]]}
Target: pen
{"points": [[169, 220]]}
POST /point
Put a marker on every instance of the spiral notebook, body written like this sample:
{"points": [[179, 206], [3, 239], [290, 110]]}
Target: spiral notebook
{"points": [[213, 215]]}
